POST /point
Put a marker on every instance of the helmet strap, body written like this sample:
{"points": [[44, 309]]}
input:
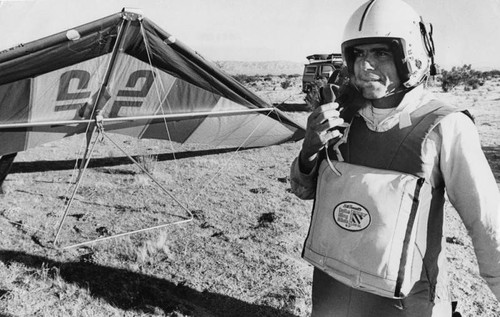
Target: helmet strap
{"points": [[399, 91], [429, 45]]}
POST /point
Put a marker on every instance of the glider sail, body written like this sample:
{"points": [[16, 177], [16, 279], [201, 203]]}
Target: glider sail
{"points": [[138, 80]]}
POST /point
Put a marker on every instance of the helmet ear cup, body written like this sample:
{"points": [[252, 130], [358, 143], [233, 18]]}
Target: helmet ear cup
{"points": [[402, 65], [348, 54]]}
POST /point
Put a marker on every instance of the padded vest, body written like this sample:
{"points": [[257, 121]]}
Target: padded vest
{"points": [[401, 150]]}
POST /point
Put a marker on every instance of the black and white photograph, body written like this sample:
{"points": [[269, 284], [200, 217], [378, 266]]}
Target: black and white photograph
{"points": [[249, 158]]}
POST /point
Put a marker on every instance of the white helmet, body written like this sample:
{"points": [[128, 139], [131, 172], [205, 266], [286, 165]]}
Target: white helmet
{"points": [[396, 23]]}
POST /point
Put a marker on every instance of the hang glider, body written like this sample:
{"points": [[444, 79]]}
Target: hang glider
{"points": [[123, 74], [126, 74]]}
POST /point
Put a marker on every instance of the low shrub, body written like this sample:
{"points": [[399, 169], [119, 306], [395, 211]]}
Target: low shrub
{"points": [[246, 79], [286, 83], [464, 75]]}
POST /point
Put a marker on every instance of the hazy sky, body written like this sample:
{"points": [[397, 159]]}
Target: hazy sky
{"points": [[465, 32]]}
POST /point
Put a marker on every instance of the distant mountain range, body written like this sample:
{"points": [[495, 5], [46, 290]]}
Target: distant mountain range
{"points": [[261, 68]]}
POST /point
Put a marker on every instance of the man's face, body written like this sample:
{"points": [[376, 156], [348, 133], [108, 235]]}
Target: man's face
{"points": [[375, 72]]}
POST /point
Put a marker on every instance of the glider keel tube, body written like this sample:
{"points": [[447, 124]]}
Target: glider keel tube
{"points": [[167, 117]]}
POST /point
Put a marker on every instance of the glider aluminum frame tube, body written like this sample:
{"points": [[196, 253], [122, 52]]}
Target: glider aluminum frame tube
{"points": [[168, 117]]}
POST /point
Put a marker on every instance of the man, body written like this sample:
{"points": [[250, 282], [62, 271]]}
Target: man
{"points": [[376, 235]]}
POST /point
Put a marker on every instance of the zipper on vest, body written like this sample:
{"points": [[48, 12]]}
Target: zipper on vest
{"points": [[406, 242]]}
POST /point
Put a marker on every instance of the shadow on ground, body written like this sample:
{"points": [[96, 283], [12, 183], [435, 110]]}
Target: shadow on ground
{"points": [[132, 291], [58, 165]]}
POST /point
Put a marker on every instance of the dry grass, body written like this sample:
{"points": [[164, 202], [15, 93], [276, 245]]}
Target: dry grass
{"points": [[240, 256]]}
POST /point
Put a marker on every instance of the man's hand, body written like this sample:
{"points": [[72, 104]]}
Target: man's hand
{"points": [[322, 126]]}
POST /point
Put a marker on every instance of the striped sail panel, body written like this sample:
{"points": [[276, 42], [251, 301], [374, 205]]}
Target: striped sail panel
{"points": [[56, 96], [249, 130]]}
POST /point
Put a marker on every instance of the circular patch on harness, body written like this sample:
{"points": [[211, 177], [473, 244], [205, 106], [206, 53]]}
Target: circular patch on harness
{"points": [[351, 216]]}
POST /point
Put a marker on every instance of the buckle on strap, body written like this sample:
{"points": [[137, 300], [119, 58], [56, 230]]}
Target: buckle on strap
{"points": [[340, 158], [342, 140]]}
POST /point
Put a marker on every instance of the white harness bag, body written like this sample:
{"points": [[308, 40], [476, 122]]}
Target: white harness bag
{"points": [[368, 228]]}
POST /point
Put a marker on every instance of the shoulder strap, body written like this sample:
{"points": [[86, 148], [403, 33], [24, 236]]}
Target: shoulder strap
{"points": [[395, 149], [407, 156]]}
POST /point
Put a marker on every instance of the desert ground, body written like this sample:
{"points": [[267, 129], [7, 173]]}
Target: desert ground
{"points": [[239, 256]]}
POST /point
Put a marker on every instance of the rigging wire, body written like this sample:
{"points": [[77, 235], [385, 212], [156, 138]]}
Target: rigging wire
{"points": [[104, 75], [97, 126], [230, 159], [48, 88], [87, 155], [158, 81], [144, 170], [99, 72]]}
